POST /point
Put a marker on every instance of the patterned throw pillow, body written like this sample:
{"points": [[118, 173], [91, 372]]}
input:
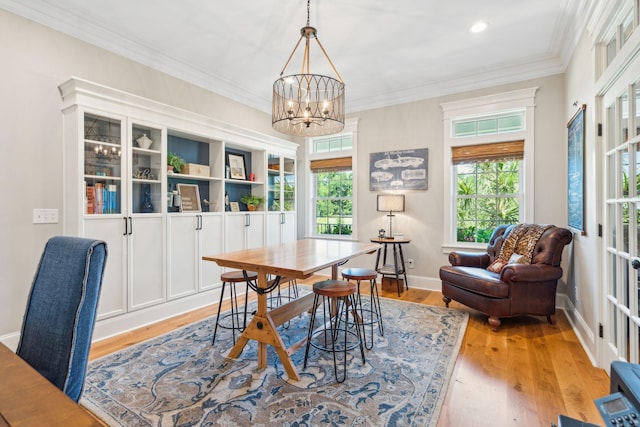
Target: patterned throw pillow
{"points": [[496, 266], [517, 259]]}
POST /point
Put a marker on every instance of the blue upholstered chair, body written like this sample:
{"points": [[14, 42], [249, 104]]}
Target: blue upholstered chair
{"points": [[61, 311]]}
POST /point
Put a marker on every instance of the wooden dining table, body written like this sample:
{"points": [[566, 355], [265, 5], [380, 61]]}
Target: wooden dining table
{"points": [[29, 399], [296, 260]]}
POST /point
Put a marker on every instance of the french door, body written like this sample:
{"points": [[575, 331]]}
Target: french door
{"points": [[620, 109]]}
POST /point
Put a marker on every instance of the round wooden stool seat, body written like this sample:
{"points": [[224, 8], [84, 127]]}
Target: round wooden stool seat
{"points": [[237, 276], [359, 274], [334, 288]]}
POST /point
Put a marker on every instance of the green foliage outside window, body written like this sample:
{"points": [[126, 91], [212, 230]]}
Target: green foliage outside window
{"points": [[334, 202], [488, 196]]}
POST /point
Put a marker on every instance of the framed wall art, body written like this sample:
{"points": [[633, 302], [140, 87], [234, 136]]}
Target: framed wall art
{"points": [[190, 197], [398, 170], [575, 171], [237, 166]]}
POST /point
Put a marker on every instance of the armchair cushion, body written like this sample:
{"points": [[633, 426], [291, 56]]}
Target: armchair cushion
{"points": [[474, 279]]}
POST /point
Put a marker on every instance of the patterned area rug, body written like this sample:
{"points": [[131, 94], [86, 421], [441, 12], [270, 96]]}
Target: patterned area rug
{"points": [[179, 379]]}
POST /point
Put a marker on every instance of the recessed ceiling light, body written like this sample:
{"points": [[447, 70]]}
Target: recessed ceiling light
{"points": [[478, 27]]}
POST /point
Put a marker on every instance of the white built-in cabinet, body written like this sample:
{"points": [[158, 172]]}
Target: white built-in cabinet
{"points": [[117, 188], [281, 199], [190, 237], [244, 230]]}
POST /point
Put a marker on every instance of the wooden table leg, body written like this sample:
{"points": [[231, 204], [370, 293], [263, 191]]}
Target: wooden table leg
{"points": [[263, 330]]}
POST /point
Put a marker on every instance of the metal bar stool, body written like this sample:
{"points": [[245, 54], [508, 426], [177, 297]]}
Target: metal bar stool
{"points": [[230, 278], [277, 298], [334, 334], [372, 313]]}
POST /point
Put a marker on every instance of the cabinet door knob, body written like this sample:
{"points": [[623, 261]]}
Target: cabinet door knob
{"points": [[247, 220], [125, 226], [130, 225]]}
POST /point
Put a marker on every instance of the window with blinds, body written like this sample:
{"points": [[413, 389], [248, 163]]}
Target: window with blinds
{"points": [[331, 173], [488, 194]]}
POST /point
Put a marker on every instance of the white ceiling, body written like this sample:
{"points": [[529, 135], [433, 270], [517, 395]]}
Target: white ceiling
{"points": [[387, 52]]}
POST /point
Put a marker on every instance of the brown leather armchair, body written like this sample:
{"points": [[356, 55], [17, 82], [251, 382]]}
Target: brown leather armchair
{"points": [[519, 289]]}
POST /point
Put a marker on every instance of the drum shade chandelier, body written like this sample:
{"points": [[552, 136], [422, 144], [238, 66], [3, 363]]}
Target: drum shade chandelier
{"points": [[308, 104]]}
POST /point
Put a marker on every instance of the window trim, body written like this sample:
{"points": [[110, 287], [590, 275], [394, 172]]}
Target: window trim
{"points": [[479, 107], [351, 128]]}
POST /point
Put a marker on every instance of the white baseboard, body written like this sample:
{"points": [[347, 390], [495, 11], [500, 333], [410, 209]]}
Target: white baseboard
{"points": [[107, 328], [11, 340], [426, 283], [585, 335]]}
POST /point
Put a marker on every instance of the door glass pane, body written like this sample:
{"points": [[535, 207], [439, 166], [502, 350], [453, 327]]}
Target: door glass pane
{"points": [[624, 173], [102, 165], [611, 128], [611, 182], [273, 182], [636, 93], [614, 315], [625, 227], [289, 180], [611, 50], [627, 27], [625, 282], [613, 288], [637, 228], [624, 117], [634, 170], [147, 164], [611, 233]]}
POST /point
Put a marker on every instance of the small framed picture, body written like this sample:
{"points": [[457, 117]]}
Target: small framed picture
{"points": [[190, 196], [237, 167], [235, 207]]}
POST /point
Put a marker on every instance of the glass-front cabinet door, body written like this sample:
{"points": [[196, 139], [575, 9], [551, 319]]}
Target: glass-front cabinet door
{"points": [[281, 199], [288, 184], [147, 164], [274, 183], [103, 165], [281, 193]]}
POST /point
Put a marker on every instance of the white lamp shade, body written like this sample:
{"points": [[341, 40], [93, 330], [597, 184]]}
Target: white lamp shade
{"points": [[391, 202]]}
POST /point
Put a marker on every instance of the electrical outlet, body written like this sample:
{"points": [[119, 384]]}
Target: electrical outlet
{"points": [[45, 216], [410, 263]]}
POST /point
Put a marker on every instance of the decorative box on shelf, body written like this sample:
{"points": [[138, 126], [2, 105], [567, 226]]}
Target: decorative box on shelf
{"points": [[196, 169]]}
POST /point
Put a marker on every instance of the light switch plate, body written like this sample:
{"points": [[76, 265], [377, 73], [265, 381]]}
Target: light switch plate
{"points": [[45, 216]]}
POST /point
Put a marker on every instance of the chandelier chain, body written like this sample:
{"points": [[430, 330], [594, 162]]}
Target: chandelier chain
{"points": [[308, 9]]}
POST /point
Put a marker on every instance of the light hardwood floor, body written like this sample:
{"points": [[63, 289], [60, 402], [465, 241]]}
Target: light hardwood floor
{"points": [[525, 374]]}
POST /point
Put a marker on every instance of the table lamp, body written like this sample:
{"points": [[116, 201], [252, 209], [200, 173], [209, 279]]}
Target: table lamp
{"points": [[391, 203]]}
